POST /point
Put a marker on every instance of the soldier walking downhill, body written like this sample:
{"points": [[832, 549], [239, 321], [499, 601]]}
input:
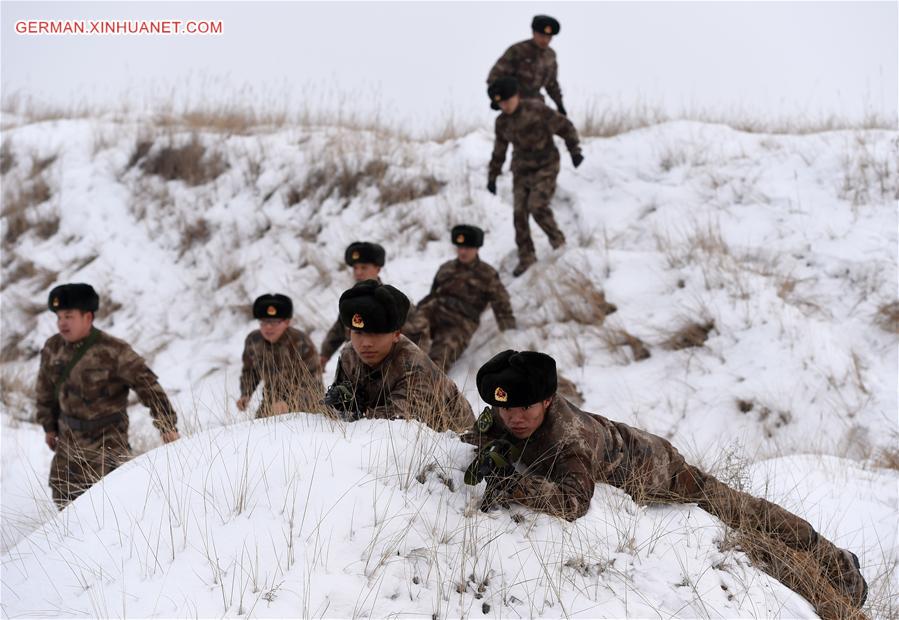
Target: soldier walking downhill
{"points": [[366, 260], [529, 125], [532, 63], [538, 450], [283, 358], [460, 293], [382, 374], [82, 395]]}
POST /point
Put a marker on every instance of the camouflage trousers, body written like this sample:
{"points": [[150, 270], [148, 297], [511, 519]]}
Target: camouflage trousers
{"points": [[80, 462], [782, 544], [450, 336], [533, 190]]}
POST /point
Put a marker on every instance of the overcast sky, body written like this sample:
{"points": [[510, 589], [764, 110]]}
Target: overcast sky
{"points": [[419, 60]]}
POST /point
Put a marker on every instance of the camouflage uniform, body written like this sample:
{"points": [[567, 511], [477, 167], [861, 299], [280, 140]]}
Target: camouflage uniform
{"points": [[534, 68], [406, 385], [573, 450], [415, 328], [89, 410], [459, 294], [290, 369], [535, 166]]}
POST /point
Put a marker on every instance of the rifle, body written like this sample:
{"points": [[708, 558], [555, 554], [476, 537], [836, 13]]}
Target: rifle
{"points": [[495, 464], [341, 397]]}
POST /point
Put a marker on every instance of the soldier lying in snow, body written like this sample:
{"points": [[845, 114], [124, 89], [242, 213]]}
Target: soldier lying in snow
{"points": [[538, 450]]}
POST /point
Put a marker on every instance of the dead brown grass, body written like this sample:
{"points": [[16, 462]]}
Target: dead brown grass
{"points": [[20, 208], [887, 317], [578, 298], [692, 334], [18, 268], [615, 338], [887, 458], [193, 233], [192, 162], [7, 157]]}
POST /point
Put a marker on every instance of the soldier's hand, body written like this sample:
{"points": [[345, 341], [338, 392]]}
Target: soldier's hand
{"points": [[496, 493], [576, 159], [491, 186], [561, 109], [52, 439], [170, 436], [242, 403], [280, 407]]}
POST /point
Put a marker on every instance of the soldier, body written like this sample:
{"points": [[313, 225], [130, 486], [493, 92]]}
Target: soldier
{"points": [[537, 449], [82, 395], [282, 357], [382, 374], [530, 126], [366, 259], [533, 63], [459, 294]]}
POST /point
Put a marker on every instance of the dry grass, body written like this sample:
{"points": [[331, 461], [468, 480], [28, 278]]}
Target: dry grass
{"points": [[18, 268], [887, 317], [195, 232], [191, 162], [7, 158], [887, 458], [22, 202], [616, 338], [578, 298], [691, 334]]}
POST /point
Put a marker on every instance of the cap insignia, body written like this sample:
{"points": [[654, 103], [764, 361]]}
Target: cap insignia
{"points": [[56, 302], [355, 255], [357, 321], [271, 311], [497, 98], [460, 239], [500, 395], [548, 29]]}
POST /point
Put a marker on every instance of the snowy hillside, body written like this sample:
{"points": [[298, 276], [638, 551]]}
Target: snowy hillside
{"points": [[759, 270]]}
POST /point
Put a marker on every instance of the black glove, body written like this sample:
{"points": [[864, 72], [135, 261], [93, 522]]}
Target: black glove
{"points": [[491, 186], [496, 494], [342, 399], [576, 159], [561, 110]]}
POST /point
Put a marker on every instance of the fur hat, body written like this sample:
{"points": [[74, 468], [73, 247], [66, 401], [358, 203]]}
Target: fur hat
{"points": [[272, 306], [467, 236], [373, 307], [517, 379], [545, 24], [364, 252], [501, 89], [73, 297]]}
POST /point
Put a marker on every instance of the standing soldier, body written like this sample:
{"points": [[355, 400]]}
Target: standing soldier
{"points": [[382, 374], [533, 63], [530, 126], [82, 395], [366, 260], [282, 357], [459, 294], [538, 450]]}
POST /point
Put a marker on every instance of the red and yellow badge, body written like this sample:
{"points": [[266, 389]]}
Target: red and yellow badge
{"points": [[55, 302], [271, 311], [460, 239], [357, 321], [355, 255], [548, 29], [500, 395], [497, 98]]}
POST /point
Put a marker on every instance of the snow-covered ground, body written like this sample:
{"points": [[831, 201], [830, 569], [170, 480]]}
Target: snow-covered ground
{"points": [[786, 243]]}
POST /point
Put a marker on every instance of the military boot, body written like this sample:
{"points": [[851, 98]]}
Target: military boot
{"points": [[523, 265], [842, 570]]}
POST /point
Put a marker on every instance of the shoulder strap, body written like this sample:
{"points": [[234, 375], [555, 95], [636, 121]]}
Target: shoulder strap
{"points": [[88, 342]]}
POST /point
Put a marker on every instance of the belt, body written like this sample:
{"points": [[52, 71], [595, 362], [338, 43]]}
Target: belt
{"points": [[77, 424], [535, 155]]}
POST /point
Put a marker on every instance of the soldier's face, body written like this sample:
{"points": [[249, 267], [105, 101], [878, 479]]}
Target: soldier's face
{"points": [[365, 271], [273, 329], [74, 325], [466, 255], [523, 421], [508, 106], [373, 348], [542, 40]]}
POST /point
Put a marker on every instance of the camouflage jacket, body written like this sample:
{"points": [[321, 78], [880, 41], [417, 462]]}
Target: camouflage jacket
{"points": [[416, 329], [97, 387], [533, 67], [573, 450], [530, 130], [289, 368], [464, 290], [406, 385]]}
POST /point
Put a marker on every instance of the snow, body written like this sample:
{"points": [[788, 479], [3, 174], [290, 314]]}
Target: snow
{"points": [[777, 239]]}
